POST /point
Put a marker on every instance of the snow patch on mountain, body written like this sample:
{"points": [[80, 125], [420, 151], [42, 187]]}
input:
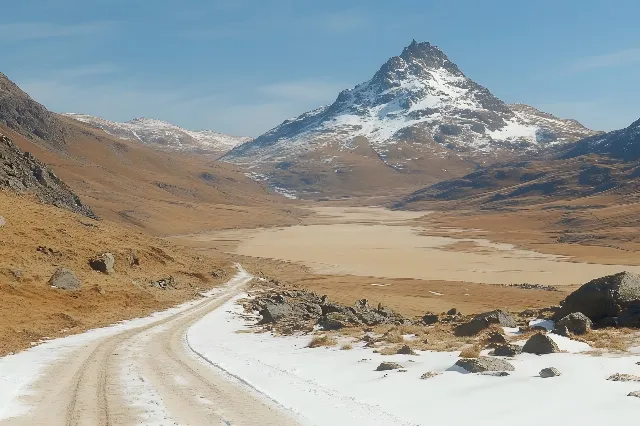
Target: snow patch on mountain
{"points": [[154, 132]]}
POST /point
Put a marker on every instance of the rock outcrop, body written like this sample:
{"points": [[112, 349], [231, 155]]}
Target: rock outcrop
{"points": [[22, 173], [575, 323], [603, 298], [104, 263]]}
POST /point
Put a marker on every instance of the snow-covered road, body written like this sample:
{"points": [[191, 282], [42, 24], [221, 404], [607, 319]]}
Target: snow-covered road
{"points": [[136, 372]]}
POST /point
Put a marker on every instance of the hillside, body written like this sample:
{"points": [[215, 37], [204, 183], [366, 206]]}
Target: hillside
{"points": [[419, 116], [127, 182], [165, 136]]}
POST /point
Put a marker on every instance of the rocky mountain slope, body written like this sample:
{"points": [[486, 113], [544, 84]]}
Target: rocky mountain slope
{"points": [[160, 134], [22, 173], [21, 113], [607, 163], [622, 144], [125, 181], [417, 109]]}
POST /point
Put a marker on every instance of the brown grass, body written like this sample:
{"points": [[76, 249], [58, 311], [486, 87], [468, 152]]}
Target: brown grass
{"points": [[346, 347], [322, 341], [472, 351]]}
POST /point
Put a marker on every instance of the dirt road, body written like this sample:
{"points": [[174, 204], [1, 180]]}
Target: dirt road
{"points": [[147, 375]]}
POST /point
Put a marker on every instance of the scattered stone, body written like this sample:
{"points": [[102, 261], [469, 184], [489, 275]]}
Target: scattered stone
{"points": [[3, 221], [133, 259], [402, 371], [576, 323], [484, 321], [478, 365], [624, 378], [603, 297], [16, 273], [103, 263], [636, 394], [452, 311], [430, 375], [65, 279], [507, 350], [545, 373], [164, 283], [540, 344], [527, 286], [406, 350], [49, 251], [430, 318], [385, 366], [335, 321]]}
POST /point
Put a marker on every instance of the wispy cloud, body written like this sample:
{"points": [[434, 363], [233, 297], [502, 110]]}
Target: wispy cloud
{"points": [[341, 22], [608, 60], [20, 31]]}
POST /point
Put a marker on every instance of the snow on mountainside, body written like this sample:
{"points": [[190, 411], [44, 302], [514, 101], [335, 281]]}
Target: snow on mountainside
{"points": [[419, 100], [164, 135]]}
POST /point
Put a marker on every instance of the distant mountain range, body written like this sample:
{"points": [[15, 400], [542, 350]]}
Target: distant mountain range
{"points": [[163, 135], [419, 108]]}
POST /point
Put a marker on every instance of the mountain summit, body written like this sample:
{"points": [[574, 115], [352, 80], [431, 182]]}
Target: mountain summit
{"points": [[419, 109], [423, 99]]}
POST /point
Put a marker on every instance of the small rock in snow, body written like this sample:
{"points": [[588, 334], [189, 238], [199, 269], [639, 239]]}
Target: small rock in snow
{"points": [[545, 373], [385, 366], [478, 365], [636, 394], [429, 375], [624, 378]]}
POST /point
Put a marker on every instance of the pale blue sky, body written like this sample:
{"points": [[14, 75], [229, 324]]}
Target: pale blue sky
{"points": [[243, 66]]}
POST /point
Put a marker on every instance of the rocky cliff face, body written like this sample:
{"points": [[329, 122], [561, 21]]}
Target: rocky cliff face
{"points": [[21, 172], [623, 144], [24, 115]]}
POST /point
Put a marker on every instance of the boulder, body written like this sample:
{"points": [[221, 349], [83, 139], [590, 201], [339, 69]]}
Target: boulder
{"points": [[386, 366], [495, 339], [507, 350], [103, 263], [484, 321], [452, 311], [336, 321], [603, 297], [545, 373], [540, 344], [630, 316], [430, 318], [575, 323], [478, 365], [65, 279], [275, 312]]}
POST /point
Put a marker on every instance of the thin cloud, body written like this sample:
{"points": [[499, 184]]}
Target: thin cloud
{"points": [[20, 31], [609, 60], [342, 22]]}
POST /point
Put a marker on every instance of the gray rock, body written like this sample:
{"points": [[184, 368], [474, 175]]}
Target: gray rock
{"points": [[164, 283], [452, 311], [430, 318], [576, 323], [540, 344], [623, 378], [65, 279], [103, 263], [507, 350], [337, 321], [478, 365], [3, 221], [545, 373], [484, 321], [495, 339], [636, 394], [603, 297], [275, 312], [386, 366]]}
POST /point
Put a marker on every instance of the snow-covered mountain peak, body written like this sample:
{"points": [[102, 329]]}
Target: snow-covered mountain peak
{"points": [[162, 134], [420, 98]]}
